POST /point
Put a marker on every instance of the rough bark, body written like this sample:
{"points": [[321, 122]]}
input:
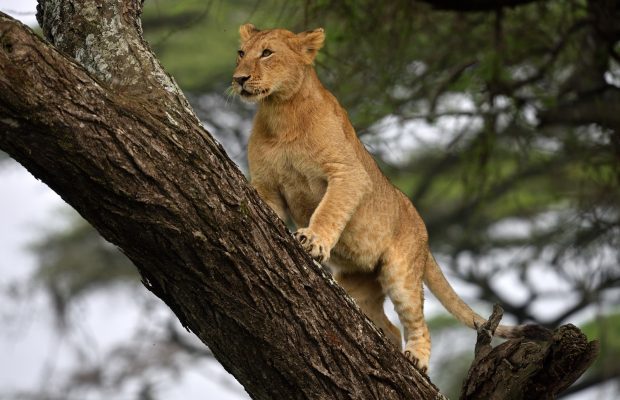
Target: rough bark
{"points": [[115, 137], [139, 167], [526, 370]]}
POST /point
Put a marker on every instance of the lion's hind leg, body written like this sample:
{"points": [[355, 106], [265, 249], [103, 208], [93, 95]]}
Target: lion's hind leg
{"points": [[401, 278], [367, 293]]}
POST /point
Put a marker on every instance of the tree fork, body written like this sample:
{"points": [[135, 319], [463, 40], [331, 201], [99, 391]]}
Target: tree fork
{"points": [[116, 138]]}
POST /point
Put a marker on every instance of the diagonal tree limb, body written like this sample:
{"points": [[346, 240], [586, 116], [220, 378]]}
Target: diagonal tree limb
{"points": [[145, 173]]}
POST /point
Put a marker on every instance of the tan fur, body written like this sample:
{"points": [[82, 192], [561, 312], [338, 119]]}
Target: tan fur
{"points": [[307, 163]]}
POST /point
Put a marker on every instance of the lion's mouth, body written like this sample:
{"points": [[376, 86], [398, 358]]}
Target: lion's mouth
{"points": [[253, 93]]}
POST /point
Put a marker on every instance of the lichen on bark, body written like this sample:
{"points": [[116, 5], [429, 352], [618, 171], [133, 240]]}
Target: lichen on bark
{"points": [[111, 47]]}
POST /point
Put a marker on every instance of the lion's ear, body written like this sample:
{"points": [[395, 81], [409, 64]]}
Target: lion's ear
{"points": [[246, 31], [311, 42]]}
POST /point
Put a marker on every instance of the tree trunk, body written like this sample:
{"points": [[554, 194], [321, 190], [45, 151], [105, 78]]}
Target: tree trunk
{"points": [[129, 155], [117, 140]]}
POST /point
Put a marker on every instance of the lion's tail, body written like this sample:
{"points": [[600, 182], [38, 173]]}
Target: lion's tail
{"points": [[437, 283]]}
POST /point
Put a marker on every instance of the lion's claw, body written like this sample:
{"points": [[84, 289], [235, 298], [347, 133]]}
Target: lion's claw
{"points": [[313, 244], [416, 362]]}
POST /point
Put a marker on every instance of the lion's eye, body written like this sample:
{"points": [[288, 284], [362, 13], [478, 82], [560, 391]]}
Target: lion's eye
{"points": [[266, 53], [241, 53]]}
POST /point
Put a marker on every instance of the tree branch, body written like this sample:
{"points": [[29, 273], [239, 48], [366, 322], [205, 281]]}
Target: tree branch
{"points": [[475, 5], [598, 106], [525, 370]]}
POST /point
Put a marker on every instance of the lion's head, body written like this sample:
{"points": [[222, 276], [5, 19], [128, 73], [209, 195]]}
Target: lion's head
{"points": [[273, 62]]}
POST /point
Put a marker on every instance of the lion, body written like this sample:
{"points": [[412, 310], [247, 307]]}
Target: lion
{"points": [[307, 163]]}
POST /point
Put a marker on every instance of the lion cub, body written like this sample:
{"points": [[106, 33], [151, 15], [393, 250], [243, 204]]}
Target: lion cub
{"points": [[307, 163]]}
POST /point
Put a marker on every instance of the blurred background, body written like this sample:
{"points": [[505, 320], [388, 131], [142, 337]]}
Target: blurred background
{"points": [[501, 124]]}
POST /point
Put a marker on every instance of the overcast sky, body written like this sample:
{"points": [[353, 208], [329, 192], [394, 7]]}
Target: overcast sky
{"points": [[24, 10]]}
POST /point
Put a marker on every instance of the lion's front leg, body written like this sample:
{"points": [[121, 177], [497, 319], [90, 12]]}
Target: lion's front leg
{"points": [[347, 185]]}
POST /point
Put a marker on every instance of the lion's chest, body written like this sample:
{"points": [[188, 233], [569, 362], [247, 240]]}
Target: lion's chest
{"points": [[297, 176]]}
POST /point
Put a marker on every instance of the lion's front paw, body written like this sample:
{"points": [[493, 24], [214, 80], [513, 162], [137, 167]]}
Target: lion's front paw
{"points": [[313, 244]]}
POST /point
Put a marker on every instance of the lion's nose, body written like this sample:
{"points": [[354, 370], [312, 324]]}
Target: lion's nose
{"points": [[241, 79]]}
